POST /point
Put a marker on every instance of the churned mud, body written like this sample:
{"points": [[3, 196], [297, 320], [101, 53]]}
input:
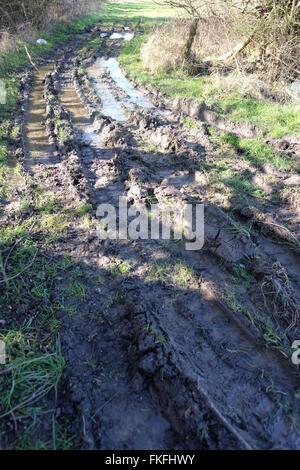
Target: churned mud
{"points": [[170, 348]]}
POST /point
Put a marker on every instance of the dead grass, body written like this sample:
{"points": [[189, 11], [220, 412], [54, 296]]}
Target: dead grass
{"points": [[264, 46], [250, 85], [278, 295], [213, 38], [165, 47], [7, 43]]}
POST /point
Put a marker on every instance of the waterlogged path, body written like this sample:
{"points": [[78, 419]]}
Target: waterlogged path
{"points": [[169, 349]]}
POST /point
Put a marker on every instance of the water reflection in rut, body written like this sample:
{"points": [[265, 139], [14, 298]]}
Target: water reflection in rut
{"points": [[110, 105], [126, 36], [135, 96]]}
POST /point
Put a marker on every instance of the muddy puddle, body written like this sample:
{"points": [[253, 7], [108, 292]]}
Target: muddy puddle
{"points": [[37, 146], [112, 106], [135, 96], [128, 36]]}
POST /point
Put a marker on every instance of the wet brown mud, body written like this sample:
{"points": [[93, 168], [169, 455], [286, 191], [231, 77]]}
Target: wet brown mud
{"points": [[37, 146], [72, 103], [207, 346]]}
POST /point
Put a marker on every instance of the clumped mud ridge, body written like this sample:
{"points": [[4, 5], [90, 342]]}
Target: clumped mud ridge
{"points": [[168, 350]]}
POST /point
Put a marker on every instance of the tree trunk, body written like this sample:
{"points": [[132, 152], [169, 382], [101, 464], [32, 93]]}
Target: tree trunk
{"points": [[189, 43], [232, 53]]}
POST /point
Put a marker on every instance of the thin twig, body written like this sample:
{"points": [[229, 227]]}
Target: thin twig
{"points": [[106, 403], [30, 399], [21, 272], [3, 271], [30, 58]]}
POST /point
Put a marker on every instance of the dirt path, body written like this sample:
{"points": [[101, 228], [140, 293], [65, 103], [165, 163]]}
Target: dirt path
{"points": [[170, 348]]}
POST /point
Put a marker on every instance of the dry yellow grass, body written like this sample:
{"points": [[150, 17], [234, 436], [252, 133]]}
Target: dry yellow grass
{"points": [[250, 85], [165, 47], [213, 39], [7, 43]]}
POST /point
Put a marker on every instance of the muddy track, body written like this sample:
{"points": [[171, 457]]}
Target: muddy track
{"points": [[159, 357]]}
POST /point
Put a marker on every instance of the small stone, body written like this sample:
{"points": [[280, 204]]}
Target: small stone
{"points": [[293, 180]]}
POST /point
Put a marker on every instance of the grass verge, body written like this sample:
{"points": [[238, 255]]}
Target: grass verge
{"points": [[275, 119]]}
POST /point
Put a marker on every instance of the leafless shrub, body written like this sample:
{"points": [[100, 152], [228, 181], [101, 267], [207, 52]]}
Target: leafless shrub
{"points": [[65, 11], [40, 12], [261, 34], [213, 38]]}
